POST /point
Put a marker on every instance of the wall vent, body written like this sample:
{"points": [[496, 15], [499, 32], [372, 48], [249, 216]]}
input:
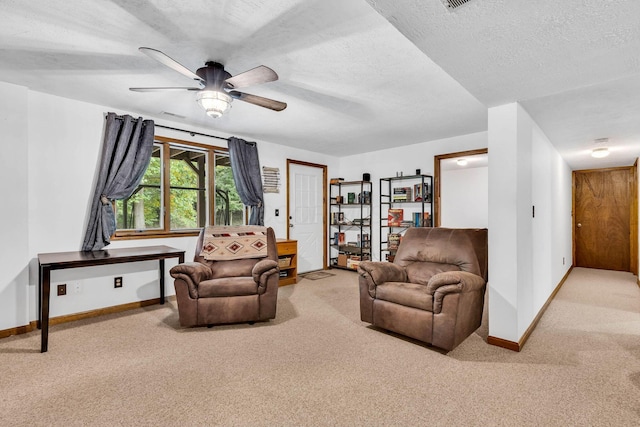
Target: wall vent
{"points": [[454, 4], [178, 116]]}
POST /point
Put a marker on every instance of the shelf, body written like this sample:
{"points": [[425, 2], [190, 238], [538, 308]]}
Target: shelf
{"points": [[412, 213], [349, 222], [288, 249]]}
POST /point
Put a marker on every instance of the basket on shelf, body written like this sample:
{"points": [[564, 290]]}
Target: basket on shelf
{"points": [[284, 262]]}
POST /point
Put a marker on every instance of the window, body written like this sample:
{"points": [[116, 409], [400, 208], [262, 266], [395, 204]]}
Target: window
{"points": [[174, 196]]}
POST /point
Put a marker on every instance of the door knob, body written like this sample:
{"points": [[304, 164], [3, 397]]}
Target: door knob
{"points": [[579, 225], [290, 225]]}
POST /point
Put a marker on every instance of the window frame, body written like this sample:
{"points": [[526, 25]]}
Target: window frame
{"points": [[165, 231]]}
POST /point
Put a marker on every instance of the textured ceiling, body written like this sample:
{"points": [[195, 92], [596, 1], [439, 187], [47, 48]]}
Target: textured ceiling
{"points": [[573, 64], [357, 76]]}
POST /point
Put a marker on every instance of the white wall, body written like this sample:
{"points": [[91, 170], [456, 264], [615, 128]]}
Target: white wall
{"points": [[525, 253], [14, 166], [464, 198], [55, 144], [406, 159]]}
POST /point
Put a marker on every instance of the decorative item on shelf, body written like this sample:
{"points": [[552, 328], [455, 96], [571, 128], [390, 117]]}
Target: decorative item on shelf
{"points": [[366, 177], [271, 179], [395, 216], [418, 171], [351, 198], [339, 199], [336, 180]]}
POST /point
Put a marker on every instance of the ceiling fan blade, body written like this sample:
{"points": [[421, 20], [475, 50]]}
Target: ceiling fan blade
{"points": [[171, 63], [258, 100], [161, 89], [254, 76]]}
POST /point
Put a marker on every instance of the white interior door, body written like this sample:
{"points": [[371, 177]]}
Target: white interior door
{"points": [[306, 210]]}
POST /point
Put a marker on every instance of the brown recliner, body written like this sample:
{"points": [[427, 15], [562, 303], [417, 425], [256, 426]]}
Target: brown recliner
{"points": [[434, 289], [230, 291]]}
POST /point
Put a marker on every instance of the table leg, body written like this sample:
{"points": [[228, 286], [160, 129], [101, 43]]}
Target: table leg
{"points": [[45, 295], [161, 280]]}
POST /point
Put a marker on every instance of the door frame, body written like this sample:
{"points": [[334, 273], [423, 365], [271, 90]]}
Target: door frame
{"points": [[436, 177], [325, 264], [633, 214]]}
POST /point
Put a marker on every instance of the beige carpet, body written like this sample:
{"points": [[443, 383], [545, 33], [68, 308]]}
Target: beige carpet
{"points": [[317, 364]]}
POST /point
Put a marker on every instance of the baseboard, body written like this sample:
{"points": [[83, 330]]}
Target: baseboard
{"points": [[18, 330], [499, 342], [517, 346], [84, 315]]}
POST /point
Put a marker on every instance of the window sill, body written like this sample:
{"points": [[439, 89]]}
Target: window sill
{"points": [[136, 235]]}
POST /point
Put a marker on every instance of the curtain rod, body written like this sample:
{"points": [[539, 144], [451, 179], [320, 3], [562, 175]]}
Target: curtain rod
{"points": [[192, 133]]}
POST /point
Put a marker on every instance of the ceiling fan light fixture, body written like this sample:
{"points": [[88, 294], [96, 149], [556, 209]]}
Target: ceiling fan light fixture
{"points": [[599, 153], [215, 103]]}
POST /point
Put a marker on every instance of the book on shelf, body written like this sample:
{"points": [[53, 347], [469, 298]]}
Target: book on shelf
{"points": [[351, 198], [393, 241], [421, 220], [364, 241], [341, 239], [402, 194], [366, 197], [395, 216], [337, 218]]}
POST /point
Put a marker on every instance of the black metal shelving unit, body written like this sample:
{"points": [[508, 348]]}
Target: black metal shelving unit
{"points": [[350, 223], [418, 202]]}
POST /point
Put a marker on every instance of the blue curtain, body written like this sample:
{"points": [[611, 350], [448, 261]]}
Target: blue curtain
{"points": [[245, 166], [126, 152]]}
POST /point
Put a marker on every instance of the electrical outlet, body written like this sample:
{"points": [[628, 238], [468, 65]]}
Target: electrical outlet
{"points": [[117, 282], [62, 289]]}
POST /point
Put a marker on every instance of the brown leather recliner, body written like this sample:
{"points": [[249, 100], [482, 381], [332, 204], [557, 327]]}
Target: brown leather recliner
{"points": [[230, 291], [434, 289]]}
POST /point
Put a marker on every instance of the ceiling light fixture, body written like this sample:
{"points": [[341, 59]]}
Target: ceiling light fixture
{"points": [[462, 162], [599, 153], [215, 103]]}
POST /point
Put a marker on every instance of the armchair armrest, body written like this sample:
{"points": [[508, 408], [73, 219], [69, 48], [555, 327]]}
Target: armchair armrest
{"points": [[450, 282], [196, 271], [192, 273], [263, 270], [374, 273], [381, 272]]}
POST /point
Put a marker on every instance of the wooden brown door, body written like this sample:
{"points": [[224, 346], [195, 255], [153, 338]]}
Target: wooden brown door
{"points": [[602, 221]]}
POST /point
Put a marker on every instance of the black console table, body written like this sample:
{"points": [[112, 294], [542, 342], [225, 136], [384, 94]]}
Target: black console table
{"points": [[63, 260]]}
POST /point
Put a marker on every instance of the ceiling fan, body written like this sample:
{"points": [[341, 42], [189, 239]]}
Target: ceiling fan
{"points": [[216, 88]]}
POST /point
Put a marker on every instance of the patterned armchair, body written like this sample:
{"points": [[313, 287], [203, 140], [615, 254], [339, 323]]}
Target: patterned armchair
{"points": [[231, 290]]}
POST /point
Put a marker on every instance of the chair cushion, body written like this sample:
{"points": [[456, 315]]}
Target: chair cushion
{"points": [[227, 287], [407, 294]]}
